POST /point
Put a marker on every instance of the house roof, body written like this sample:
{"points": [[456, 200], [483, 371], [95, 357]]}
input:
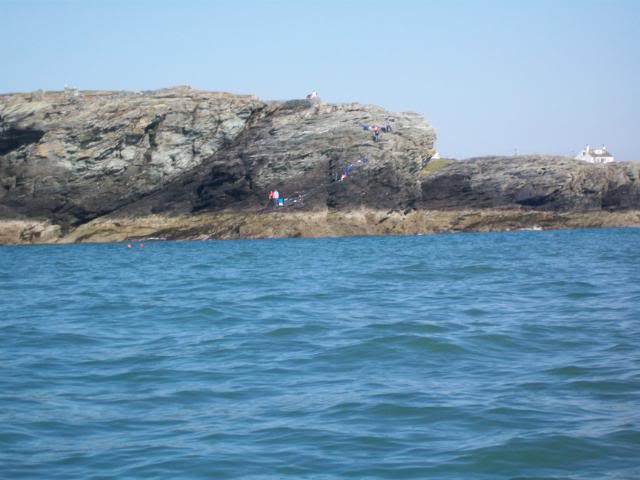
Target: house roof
{"points": [[598, 152]]}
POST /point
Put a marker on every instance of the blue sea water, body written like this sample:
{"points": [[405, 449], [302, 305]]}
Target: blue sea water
{"points": [[454, 356]]}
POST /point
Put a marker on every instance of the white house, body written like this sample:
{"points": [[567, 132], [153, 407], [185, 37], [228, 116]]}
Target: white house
{"points": [[595, 155]]}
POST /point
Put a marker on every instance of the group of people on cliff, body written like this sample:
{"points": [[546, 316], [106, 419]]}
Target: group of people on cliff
{"points": [[376, 130], [342, 175], [276, 199]]}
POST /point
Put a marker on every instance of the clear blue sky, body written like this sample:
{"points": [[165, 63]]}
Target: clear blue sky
{"points": [[542, 76]]}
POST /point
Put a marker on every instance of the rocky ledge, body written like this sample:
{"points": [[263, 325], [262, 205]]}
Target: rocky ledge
{"points": [[182, 163]]}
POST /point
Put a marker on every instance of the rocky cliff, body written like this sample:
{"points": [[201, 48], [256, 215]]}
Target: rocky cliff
{"points": [[74, 156], [540, 182], [181, 163]]}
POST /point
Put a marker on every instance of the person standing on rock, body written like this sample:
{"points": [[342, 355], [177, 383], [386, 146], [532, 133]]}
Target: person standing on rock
{"points": [[276, 196], [376, 133], [387, 125]]}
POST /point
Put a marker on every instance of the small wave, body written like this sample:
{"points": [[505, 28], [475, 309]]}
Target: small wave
{"points": [[475, 312], [534, 387], [569, 371], [346, 407], [202, 395], [546, 452], [605, 387], [296, 331], [419, 267], [477, 269], [380, 348], [625, 436], [622, 347], [11, 438], [582, 295], [408, 327], [495, 340], [208, 312], [202, 266], [424, 413], [418, 342], [70, 340]]}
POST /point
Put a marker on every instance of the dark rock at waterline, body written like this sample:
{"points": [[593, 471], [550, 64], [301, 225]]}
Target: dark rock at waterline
{"points": [[537, 182]]}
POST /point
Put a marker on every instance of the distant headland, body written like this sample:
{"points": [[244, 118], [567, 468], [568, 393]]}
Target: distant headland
{"points": [[180, 163]]}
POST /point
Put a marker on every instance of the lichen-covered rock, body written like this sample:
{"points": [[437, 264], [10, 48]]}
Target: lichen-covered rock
{"points": [[73, 156]]}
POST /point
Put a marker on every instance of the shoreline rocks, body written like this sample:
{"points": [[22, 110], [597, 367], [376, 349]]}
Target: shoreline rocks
{"points": [[236, 225]]}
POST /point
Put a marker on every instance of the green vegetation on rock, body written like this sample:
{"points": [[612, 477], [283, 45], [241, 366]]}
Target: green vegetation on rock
{"points": [[434, 165]]}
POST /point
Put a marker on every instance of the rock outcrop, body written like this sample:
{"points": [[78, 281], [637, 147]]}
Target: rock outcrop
{"points": [[74, 156], [540, 182], [181, 163]]}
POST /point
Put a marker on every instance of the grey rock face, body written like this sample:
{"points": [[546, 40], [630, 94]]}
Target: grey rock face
{"points": [[75, 156], [72, 156], [69, 157], [535, 182]]}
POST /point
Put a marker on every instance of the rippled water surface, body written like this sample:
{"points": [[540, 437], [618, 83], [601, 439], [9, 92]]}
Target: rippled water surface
{"points": [[488, 356]]}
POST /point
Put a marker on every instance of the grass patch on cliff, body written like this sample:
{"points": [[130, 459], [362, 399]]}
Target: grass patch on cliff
{"points": [[434, 165]]}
